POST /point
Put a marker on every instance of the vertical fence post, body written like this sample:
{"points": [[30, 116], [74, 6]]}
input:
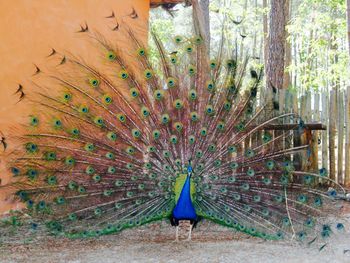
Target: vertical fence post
{"points": [[314, 140], [324, 119], [340, 103], [347, 138], [332, 132]]}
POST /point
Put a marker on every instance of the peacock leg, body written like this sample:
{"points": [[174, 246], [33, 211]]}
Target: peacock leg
{"points": [[177, 234], [190, 233]]}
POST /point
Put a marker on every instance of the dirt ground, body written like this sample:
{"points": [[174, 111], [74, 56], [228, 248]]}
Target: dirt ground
{"points": [[154, 243]]}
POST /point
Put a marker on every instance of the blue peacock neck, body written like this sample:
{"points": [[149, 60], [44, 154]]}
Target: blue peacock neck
{"points": [[184, 209]]}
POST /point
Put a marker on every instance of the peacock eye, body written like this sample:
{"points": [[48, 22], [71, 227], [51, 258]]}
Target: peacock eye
{"points": [[189, 49], [171, 82], [134, 92], [173, 139], [123, 74], [148, 74], [67, 97], [34, 121], [158, 94], [107, 99], [141, 52], [192, 94], [121, 117], [94, 82], [178, 39], [145, 111], [156, 134], [165, 119], [111, 55]]}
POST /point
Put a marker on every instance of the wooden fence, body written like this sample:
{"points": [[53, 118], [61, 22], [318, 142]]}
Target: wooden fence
{"points": [[330, 148]]}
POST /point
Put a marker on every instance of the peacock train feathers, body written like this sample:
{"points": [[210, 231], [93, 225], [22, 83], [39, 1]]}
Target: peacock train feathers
{"points": [[134, 139]]}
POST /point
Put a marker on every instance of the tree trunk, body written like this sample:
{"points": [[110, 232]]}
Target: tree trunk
{"points": [[348, 22], [288, 51], [265, 26], [276, 41]]}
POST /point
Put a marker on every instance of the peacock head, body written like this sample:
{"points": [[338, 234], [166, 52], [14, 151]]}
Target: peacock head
{"points": [[189, 168]]}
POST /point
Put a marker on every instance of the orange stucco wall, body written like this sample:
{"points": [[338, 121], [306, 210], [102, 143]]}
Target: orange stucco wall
{"points": [[28, 31]]}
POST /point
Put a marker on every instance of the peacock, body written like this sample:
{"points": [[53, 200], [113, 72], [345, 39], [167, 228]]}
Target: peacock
{"points": [[164, 133]]}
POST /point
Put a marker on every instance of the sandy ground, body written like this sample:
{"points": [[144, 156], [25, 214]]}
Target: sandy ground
{"points": [[154, 243]]}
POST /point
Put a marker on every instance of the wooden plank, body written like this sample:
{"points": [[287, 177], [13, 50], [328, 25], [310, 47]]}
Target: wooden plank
{"points": [[314, 135], [347, 138], [340, 103], [303, 137], [324, 136], [332, 133]]}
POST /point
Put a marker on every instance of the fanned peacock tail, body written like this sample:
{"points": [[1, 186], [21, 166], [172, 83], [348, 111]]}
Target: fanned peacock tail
{"points": [[110, 145]]}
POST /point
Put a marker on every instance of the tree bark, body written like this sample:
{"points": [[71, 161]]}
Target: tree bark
{"points": [[288, 50], [276, 42], [265, 26]]}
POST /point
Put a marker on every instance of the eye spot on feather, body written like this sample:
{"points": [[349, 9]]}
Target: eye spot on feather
{"points": [[33, 121], [32, 174], [83, 109], [107, 99], [123, 74], [75, 132], [57, 124], [112, 136], [230, 64], [99, 121], [191, 139], [67, 97], [178, 104], [165, 118], [148, 74], [213, 64], [156, 134], [145, 111], [191, 70], [96, 178], [173, 139], [89, 147], [50, 156], [136, 133], [15, 171], [111, 55], [130, 150], [192, 95], [210, 86], [31, 147], [220, 126], [94, 82], [121, 117], [70, 161], [189, 49], [178, 126], [198, 40], [227, 105], [141, 52], [178, 39], [209, 110], [171, 82], [89, 170], [134, 93], [151, 149], [203, 131], [173, 59], [158, 94]]}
